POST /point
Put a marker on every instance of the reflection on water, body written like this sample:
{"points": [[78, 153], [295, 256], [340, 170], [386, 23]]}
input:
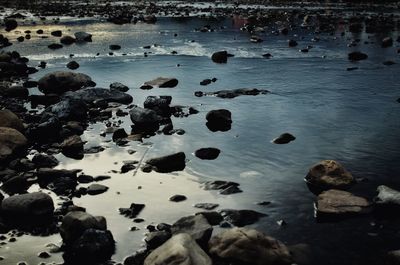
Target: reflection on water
{"points": [[351, 117]]}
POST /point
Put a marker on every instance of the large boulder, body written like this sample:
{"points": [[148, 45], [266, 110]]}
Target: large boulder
{"points": [[169, 163], [338, 203], [61, 81], [195, 225], [28, 209], [162, 82], [11, 142], [248, 246], [219, 120], [75, 223], [91, 95], [145, 119], [328, 174], [9, 119], [181, 249]]}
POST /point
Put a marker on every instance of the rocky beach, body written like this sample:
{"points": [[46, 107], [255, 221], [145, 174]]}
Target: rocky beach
{"points": [[191, 133]]}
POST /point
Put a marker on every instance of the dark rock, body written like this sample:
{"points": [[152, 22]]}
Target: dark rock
{"points": [[132, 211], [219, 120], [73, 147], [205, 82], [115, 47], [119, 134], [83, 37], [195, 225], [357, 56], [60, 82], [95, 189], [145, 120], [241, 217], [45, 100], [220, 57], [387, 42], [67, 40], [292, 43], [162, 82], [61, 182], [10, 24], [126, 167], [225, 187], [94, 150], [178, 198], [159, 104], [169, 163], [44, 160], [118, 86], [85, 179], [206, 206], [157, 238], [55, 46], [14, 92], [69, 110], [73, 65], [92, 95], [209, 153], [284, 138], [56, 33], [213, 218], [388, 63]]}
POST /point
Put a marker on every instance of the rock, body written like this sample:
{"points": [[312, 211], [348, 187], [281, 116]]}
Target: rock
{"points": [[389, 62], [219, 120], [14, 92], [92, 247], [60, 82], [44, 160], [238, 92], [241, 217], [284, 138], [73, 65], [10, 24], [145, 120], [159, 104], [45, 100], [225, 187], [387, 42], [209, 153], [55, 46], [67, 40], [85, 178], [83, 37], [93, 95], [392, 258], [338, 203], [12, 142], [205, 82], [119, 134], [157, 238], [119, 87], [178, 198], [95, 189], [249, 246], [31, 208], [60, 181], [115, 47], [169, 163], [180, 249], [75, 223], [292, 43], [162, 82], [73, 147], [195, 225], [10, 120], [206, 206], [137, 258], [301, 254], [69, 110], [213, 218], [56, 33], [357, 56], [220, 57], [132, 211], [328, 174], [128, 166]]}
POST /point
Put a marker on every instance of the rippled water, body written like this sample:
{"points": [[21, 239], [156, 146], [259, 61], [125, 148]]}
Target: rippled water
{"points": [[349, 116]]}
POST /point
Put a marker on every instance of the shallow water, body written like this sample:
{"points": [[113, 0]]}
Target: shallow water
{"points": [[349, 116]]}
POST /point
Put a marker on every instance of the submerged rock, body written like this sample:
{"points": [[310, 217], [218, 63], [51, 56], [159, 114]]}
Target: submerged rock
{"points": [[60, 82], [249, 246], [284, 138], [162, 82], [180, 249], [357, 56], [73, 65], [338, 203], [132, 211], [219, 120], [241, 217], [92, 95], [169, 163], [328, 174], [225, 187]]}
